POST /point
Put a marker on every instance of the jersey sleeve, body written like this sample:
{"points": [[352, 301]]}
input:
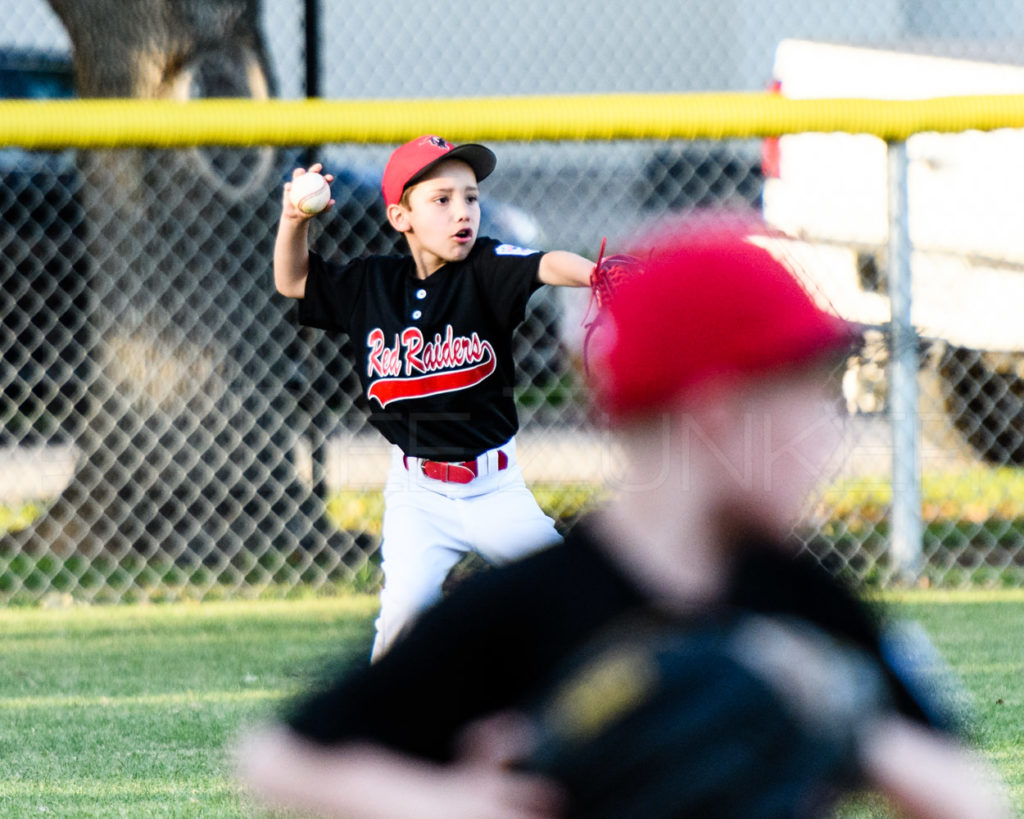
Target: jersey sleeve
{"points": [[451, 668], [482, 649], [508, 276], [332, 292], [801, 587]]}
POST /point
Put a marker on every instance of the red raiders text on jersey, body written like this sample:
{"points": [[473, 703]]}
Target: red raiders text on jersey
{"points": [[417, 369]]}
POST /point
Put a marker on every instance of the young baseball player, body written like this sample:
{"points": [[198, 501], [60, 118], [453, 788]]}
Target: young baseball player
{"points": [[433, 335], [765, 689]]}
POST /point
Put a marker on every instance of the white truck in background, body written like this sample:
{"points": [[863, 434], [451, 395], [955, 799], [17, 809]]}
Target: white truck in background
{"points": [[966, 224]]}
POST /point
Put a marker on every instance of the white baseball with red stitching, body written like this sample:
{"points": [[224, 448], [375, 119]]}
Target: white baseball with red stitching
{"points": [[310, 192]]}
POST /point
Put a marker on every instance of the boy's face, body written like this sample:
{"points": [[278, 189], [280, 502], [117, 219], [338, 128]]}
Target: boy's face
{"points": [[783, 436], [442, 214]]}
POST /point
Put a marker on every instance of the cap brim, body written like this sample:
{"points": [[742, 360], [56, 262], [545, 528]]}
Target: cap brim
{"points": [[480, 158]]}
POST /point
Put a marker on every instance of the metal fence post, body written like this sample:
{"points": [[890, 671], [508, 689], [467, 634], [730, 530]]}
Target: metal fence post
{"points": [[906, 539]]}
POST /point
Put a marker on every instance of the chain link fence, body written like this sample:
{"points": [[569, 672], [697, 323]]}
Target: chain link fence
{"points": [[167, 430]]}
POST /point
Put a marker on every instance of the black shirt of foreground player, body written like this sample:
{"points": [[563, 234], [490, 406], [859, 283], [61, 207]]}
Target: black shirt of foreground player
{"points": [[434, 355], [512, 637]]}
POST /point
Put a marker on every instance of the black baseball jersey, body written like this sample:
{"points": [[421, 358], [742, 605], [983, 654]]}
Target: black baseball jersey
{"points": [[495, 642], [434, 355]]}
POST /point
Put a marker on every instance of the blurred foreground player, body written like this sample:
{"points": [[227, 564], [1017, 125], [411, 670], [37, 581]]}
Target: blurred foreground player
{"points": [[676, 656]]}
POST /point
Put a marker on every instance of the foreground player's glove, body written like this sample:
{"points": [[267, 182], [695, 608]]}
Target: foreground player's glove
{"points": [[744, 716]]}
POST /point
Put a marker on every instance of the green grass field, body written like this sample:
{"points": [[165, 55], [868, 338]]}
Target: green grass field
{"points": [[130, 710]]}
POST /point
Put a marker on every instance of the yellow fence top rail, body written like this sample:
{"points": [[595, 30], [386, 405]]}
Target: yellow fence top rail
{"points": [[106, 123]]}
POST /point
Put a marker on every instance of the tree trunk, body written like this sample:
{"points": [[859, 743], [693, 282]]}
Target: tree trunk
{"points": [[187, 445]]}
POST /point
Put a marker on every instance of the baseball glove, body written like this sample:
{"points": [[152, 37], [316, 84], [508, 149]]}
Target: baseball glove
{"points": [[609, 273], [744, 716], [607, 277]]}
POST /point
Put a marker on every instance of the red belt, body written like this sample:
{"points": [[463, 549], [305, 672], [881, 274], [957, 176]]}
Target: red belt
{"points": [[454, 472]]}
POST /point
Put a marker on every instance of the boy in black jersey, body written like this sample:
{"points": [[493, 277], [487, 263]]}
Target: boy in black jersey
{"points": [[773, 689], [433, 335]]}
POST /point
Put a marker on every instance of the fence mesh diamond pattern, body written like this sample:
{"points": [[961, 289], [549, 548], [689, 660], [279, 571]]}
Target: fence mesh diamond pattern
{"points": [[168, 430]]}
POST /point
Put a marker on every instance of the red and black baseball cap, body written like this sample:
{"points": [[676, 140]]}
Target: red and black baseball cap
{"points": [[712, 303], [410, 162]]}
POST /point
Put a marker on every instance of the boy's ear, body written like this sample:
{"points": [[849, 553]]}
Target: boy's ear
{"points": [[398, 218]]}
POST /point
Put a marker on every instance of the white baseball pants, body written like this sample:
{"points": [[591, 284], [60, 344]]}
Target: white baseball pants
{"points": [[429, 525]]}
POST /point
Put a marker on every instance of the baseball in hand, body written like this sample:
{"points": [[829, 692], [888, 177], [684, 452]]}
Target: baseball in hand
{"points": [[310, 192]]}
